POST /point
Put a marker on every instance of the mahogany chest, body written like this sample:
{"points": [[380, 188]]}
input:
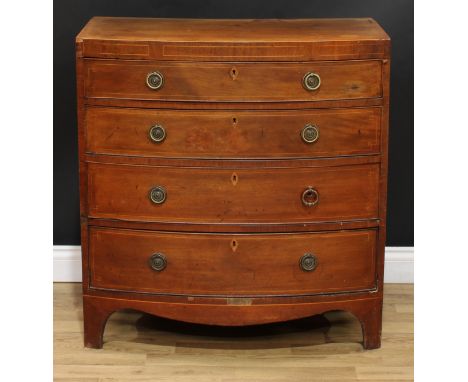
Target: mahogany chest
{"points": [[233, 172]]}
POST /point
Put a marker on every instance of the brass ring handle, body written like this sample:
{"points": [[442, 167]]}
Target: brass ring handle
{"points": [[157, 133], [154, 80], [311, 81], [310, 133], [158, 195], [310, 197], [157, 262], [308, 262]]}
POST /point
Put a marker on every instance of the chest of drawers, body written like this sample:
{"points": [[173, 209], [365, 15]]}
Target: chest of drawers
{"points": [[233, 172]]}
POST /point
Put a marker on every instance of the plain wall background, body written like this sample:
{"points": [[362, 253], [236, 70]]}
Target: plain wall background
{"points": [[395, 16]]}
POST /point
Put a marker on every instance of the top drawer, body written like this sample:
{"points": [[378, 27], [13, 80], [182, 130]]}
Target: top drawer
{"points": [[232, 82]]}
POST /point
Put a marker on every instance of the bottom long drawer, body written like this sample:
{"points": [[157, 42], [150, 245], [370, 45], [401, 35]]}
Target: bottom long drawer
{"points": [[231, 264]]}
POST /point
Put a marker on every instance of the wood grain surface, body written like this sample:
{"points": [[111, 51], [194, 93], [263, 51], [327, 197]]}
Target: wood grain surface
{"points": [[225, 40], [250, 264], [134, 29], [231, 82], [233, 134], [223, 196]]}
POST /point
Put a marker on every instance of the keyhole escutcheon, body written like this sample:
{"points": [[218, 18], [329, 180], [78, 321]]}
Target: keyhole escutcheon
{"points": [[234, 72], [234, 245], [234, 178]]}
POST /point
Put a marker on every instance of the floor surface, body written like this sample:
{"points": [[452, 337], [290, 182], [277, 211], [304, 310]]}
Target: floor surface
{"points": [[139, 347]]}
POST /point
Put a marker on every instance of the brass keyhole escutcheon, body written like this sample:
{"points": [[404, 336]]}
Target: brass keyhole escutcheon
{"points": [[234, 245], [234, 72], [234, 121], [234, 178]]}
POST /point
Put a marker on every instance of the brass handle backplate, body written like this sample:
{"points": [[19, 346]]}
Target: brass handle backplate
{"points": [[311, 81], [158, 195], [310, 197], [157, 133], [157, 262], [310, 133], [154, 80], [308, 262]]}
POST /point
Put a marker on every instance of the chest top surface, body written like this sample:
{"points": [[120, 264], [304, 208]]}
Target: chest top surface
{"points": [[228, 39]]}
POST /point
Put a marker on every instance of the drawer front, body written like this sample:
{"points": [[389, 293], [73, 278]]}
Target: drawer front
{"points": [[208, 264], [203, 81], [210, 195], [233, 134]]}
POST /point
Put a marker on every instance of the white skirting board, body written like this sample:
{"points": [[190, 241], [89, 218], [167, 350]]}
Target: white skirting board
{"points": [[67, 263], [399, 262]]}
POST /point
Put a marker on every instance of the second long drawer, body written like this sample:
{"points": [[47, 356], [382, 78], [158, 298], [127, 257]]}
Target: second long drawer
{"points": [[213, 195], [233, 134]]}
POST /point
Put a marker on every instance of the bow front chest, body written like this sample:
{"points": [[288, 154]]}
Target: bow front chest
{"points": [[233, 172]]}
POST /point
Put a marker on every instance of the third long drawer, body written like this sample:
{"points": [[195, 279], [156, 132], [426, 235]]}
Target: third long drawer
{"points": [[222, 195]]}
